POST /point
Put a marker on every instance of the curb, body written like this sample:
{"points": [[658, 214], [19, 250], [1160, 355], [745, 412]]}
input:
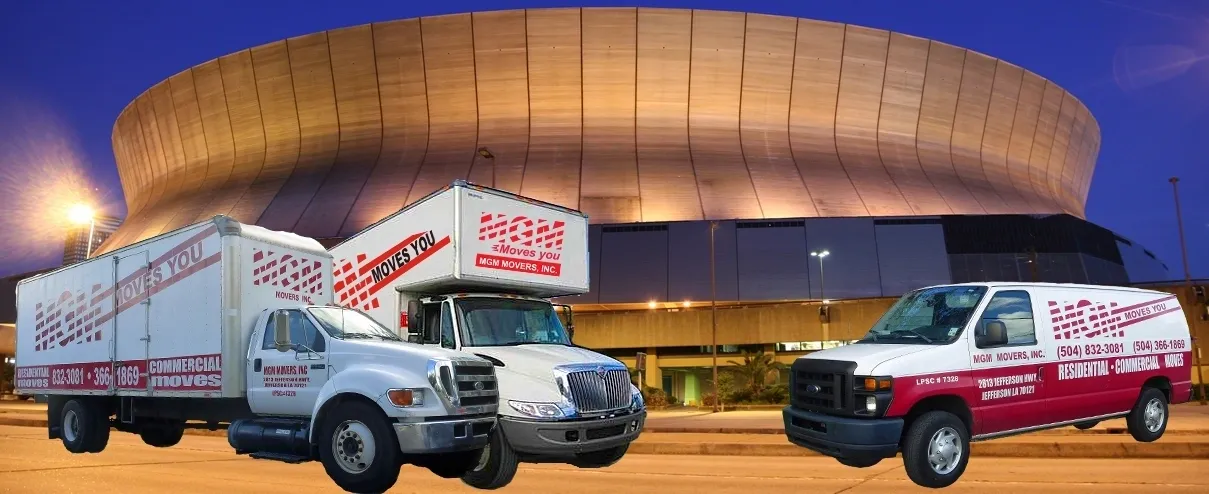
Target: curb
{"points": [[1167, 450]]}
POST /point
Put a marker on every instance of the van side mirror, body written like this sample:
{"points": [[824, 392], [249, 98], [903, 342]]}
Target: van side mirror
{"points": [[281, 331], [415, 321], [994, 334]]}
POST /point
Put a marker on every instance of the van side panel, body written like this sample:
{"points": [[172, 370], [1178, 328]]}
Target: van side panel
{"points": [[1108, 343]]}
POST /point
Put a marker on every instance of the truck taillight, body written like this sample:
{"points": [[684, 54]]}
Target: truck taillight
{"points": [[403, 320]]}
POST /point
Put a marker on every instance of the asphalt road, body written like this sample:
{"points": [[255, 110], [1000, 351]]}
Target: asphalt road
{"points": [[29, 463]]}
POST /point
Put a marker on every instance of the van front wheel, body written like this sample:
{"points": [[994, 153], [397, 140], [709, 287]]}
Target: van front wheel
{"points": [[936, 449], [1148, 419]]}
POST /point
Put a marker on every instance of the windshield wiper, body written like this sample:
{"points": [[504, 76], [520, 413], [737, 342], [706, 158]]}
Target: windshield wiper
{"points": [[356, 336], [913, 332]]}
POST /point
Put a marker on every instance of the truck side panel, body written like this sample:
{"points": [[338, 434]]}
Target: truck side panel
{"points": [[144, 320], [509, 242], [413, 248]]}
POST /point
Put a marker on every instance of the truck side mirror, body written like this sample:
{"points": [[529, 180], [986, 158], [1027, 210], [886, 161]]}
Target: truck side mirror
{"points": [[994, 334], [281, 331], [415, 321]]}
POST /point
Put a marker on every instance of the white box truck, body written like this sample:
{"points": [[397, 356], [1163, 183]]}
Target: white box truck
{"points": [[472, 268], [221, 322]]}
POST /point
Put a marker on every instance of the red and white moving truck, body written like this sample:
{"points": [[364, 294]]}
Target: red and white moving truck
{"points": [[948, 365], [472, 268], [221, 322]]}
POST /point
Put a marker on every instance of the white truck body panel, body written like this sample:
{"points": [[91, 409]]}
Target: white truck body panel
{"points": [[167, 317], [466, 238]]}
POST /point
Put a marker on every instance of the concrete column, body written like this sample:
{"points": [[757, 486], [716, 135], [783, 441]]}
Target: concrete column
{"points": [[654, 376]]}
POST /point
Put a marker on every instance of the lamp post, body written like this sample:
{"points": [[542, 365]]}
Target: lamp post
{"points": [[820, 255], [81, 214], [1179, 223], [713, 309]]}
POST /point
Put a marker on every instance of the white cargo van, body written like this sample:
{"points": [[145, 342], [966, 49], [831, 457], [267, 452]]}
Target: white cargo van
{"points": [[471, 268], [221, 322], [948, 365]]}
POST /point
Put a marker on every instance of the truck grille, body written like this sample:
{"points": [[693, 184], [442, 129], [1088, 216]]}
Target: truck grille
{"points": [[599, 391], [823, 386], [476, 384]]}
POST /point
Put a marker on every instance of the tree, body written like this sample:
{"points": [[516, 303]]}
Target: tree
{"points": [[756, 370]]}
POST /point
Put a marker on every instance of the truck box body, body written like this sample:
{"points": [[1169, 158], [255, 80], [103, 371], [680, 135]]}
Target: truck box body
{"points": [[463, 237], [166, 317]]}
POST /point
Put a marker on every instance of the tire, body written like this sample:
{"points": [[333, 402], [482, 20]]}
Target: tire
{"points": [[162, 435], [496, 466], [1086, 425], [454, 465], [358, 448], [85, 427], [1148, 420], [942, 428], [601, 459], [859, 462]]}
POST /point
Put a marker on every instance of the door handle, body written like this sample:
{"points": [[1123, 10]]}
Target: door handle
{"points": [[256, 365], [1040, 374]]}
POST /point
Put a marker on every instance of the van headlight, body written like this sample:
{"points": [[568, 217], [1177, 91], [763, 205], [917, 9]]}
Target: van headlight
{"points": [[547, 411], [636, 401]]}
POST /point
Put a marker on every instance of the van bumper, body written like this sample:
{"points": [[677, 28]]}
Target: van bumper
{"points": [[568, 438], [444, 436], [842, 437]]}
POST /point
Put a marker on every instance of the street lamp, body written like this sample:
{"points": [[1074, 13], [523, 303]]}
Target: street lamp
{"points": [[820, 255], [1196, 348], [713, 311], [81, 214]]}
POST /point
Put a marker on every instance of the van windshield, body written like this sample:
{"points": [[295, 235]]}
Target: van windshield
{"points": [[349, 324], [508, 322], [932, 316]]}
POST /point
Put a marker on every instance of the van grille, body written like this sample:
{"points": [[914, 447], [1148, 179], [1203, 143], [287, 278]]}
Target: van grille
{"points": [[599, 391], [823, 386]]}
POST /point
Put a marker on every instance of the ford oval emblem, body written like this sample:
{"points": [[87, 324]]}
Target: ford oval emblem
{"points": [[813, 388], [478, 385]]}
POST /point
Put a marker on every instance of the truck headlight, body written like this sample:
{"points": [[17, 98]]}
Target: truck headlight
{"points": [[871, 404], [636, 401], [406, 397], [537, 410]]}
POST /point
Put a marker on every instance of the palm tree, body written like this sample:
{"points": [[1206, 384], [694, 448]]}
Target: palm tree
{"points": [[756, 370]]}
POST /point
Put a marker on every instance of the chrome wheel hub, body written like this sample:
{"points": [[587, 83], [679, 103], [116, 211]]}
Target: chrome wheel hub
{"points": [[944, 451], [353, 447], [71, 426], [1154, 415]]}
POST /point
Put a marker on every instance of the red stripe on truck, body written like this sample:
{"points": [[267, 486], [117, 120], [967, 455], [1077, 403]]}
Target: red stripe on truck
{"points": [[181, 373]]}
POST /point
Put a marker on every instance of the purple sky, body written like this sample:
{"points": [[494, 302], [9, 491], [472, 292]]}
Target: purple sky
{"points": [[67, 68]]}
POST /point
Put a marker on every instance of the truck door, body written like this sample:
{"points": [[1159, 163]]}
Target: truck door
{"points": [[131, 325], [288, 383], [1010, 376]]}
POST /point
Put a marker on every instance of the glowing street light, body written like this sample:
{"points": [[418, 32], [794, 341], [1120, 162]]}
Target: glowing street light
{"points": [[81, 214], [820, 255]]}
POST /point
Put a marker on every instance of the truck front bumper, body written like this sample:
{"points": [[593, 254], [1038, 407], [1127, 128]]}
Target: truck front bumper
{"points": [[444, 436], [840, 437], [565, 439]]}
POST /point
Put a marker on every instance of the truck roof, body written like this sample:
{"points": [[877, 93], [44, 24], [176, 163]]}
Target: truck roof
{"points": [[226, 226], [463, 183]]}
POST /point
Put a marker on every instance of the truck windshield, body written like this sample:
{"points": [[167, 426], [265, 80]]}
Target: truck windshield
{"points": [[348, 324], [928, 316], [507, 322]]}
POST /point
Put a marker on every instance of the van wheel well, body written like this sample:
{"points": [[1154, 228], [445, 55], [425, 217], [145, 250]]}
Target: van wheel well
{"points": [[332, 403], [948, 403], [1160, 383]]}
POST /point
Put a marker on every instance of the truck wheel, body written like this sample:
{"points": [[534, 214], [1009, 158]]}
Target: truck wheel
{"points": [[859, 462], [358, 448], [1086, 425], [496, 466], [85, 426], [936, 449], [602, 458], [162, 435], [1148, 419]]}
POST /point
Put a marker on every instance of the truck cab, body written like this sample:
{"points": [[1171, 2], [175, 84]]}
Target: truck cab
{"points": [[559, 402], [951, 364]]}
